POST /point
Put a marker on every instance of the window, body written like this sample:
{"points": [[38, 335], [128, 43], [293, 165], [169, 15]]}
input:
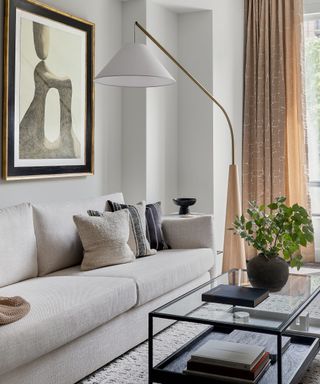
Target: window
{"points": [[312, 89]]}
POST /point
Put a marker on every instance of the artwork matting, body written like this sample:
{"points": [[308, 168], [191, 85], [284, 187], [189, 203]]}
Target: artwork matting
{"points": [[48, 104]]}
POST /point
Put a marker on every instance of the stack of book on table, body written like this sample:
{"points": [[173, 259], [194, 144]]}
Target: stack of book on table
{"points": [[229, 362]]}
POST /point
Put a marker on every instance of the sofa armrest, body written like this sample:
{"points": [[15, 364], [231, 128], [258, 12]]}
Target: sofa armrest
{"points": [[189, 232]]}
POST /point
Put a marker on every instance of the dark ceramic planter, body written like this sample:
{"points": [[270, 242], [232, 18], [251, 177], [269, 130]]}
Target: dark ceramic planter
{"points": [[268, 273]]}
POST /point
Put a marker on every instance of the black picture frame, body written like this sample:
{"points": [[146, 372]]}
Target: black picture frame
{"points": [[10, 169]]}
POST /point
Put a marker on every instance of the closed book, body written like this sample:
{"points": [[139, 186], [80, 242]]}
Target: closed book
{"points": [[228, 379], [227, 354], [269, 342], [194, 365], [236, 295]]}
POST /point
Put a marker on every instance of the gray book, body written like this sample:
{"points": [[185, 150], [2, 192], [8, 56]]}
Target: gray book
{"points": [[228, 379], [268, 342], [228, 354]]}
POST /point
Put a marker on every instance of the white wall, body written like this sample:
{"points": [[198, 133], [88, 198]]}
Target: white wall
{"points": [[213, 50], [195, 164], [108, 117], [207, 37], [162, 113], [149, 140], [228, 40], [134, 163]]}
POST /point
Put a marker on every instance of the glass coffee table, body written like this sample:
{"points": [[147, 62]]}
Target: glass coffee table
{"points": [[287, 323]]}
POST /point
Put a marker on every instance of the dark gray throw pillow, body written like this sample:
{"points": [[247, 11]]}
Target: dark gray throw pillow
{"points": [[153, 226]]}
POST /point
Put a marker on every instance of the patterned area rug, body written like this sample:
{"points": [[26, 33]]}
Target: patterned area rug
{"points": [[132, 367]]}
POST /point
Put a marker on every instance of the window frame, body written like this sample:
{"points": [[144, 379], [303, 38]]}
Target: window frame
{"points": [[312, 12], [311, 7]]}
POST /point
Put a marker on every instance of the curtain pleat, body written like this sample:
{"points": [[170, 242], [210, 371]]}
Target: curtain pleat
{"points": [[274, 139]]}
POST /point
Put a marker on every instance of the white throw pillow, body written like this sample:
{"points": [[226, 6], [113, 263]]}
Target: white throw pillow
{"points": [[104, 239]]}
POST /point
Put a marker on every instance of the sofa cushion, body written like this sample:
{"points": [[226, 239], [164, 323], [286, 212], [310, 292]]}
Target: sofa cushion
{"points": [[58, 242], [158, 274], [138, 241], [18, 250], [62, 309], [153, 228], [104, 239]]}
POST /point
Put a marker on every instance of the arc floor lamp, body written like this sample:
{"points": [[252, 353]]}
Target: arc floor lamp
{"points": [[135, 66]]}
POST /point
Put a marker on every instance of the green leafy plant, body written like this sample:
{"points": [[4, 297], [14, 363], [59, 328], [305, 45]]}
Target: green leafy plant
{"points": [[276, 229]]}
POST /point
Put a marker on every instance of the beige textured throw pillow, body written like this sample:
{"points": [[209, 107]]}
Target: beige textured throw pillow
{"points": [[104, 239]]}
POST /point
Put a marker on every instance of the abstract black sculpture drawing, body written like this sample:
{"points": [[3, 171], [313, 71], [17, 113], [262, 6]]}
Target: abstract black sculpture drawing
{"points": [[33, 143], [48, 102]]}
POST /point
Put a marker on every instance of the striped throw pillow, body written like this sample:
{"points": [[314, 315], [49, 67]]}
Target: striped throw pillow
{"points": [[137, 240], [91, 212], [153, 228]]}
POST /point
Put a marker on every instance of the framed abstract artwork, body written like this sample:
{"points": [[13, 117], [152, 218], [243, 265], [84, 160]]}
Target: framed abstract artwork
{"points": [[48, 110]]}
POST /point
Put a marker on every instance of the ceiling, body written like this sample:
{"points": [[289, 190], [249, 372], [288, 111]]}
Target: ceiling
{"points": [[184, 6]]}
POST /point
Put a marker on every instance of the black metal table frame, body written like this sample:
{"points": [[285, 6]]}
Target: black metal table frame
{"points": [[278, 332]]}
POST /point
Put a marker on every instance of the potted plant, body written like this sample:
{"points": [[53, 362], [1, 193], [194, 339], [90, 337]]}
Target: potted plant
{"points": [[277, 232]]}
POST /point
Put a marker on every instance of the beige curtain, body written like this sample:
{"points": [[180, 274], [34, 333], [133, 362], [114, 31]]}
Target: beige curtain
{"points": [[274, 140]]}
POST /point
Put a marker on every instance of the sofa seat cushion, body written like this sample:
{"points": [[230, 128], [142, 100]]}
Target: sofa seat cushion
{"points": [[62, 309], [158, 274]]}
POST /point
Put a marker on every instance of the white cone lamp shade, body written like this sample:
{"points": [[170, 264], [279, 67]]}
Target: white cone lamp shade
{"points": [[134, 66]]}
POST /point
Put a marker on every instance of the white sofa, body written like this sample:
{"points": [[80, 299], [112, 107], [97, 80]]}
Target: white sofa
{"points": [[80, 321]]}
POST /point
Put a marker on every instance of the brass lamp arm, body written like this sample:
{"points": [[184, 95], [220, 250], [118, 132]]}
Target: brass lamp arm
{"points": [[195, 81]]}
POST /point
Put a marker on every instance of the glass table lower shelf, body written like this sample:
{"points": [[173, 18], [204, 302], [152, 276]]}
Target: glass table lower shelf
{"points": [[186, 323]]}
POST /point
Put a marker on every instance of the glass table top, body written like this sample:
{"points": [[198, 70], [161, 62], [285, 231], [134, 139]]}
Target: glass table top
{"points": [[273, 313]]}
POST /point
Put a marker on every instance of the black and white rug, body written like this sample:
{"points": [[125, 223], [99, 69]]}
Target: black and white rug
{"points": [[132, 367]]}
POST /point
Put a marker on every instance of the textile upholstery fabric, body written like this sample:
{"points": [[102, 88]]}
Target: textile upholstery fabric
{"points": [[137, 239], [18, 249], [274, 132], [62, 309], [184, 233], [78, 323], [156, 275], [58, 241], [80, 357], [104, 239], [154, 226]]}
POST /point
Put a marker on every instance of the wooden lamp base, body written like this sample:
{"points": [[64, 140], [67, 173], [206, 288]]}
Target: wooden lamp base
{"points": [[233, 249]]}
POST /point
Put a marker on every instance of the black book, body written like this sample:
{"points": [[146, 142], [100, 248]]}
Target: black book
{"points": [[236, 295]]}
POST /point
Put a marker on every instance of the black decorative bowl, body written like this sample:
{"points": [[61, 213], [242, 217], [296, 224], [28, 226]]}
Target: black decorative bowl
{"points": [[184, 203]]}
